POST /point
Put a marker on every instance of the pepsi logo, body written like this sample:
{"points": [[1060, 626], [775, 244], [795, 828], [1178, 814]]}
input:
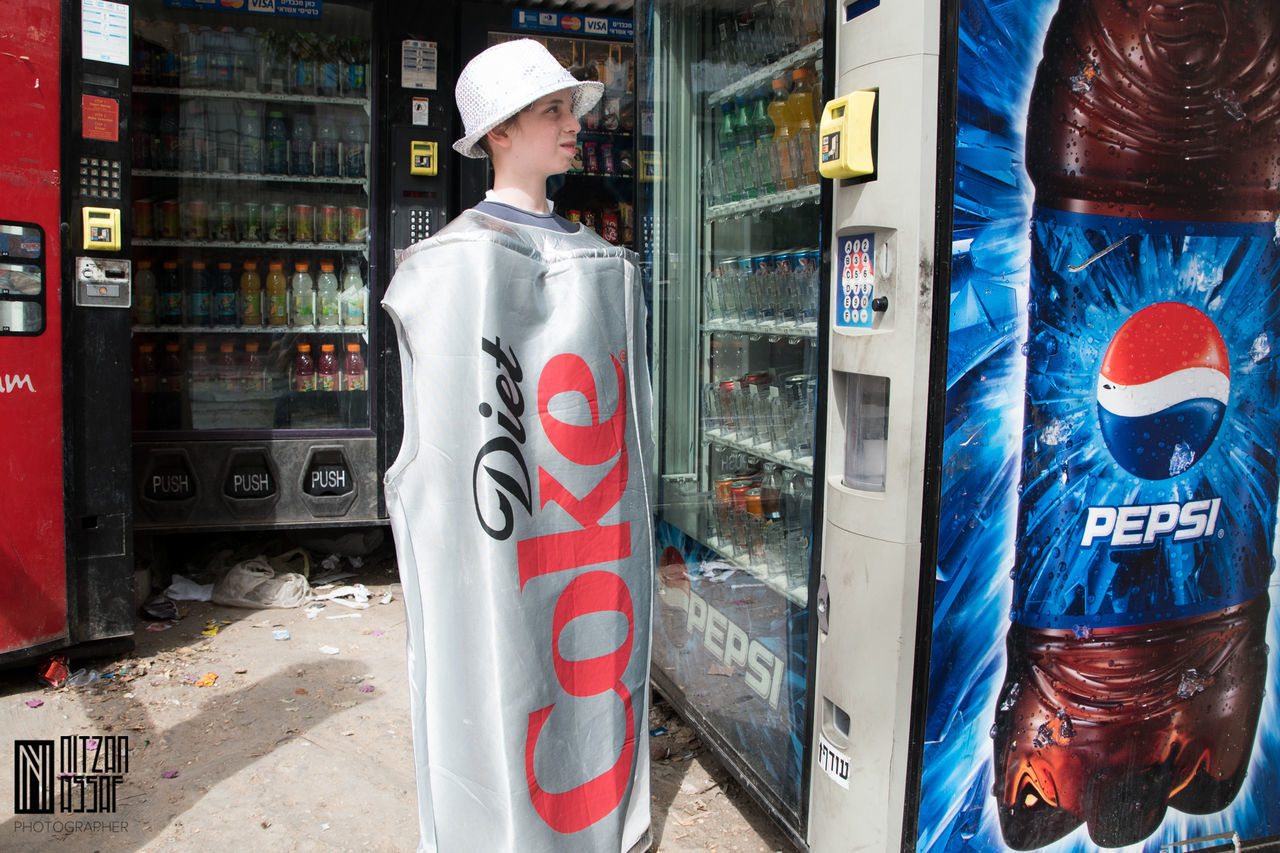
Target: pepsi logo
{"points": [[1163, 389]]}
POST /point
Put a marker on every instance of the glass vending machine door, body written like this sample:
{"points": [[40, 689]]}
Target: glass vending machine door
{"points": [[733, 200], [250, 219]]}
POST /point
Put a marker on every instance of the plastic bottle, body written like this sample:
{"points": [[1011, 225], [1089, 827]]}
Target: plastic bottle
{"points": [[351, 301], [801, 105], [227, 369], [327, 369], [250, 295], [200, 371], [354, 72], [744, 141], [224, 296], [221, 64], [200, 305], [170, 305], [171, 372], [354, 374], [302, 79], [144, 295], [253, 375], [327, 295], [304, 296], [329, 69], [276, 147], [250, 143], [784, 141], [302, 157], [224, 135], [327, 153], [304, 369], [193, 64], [277, 287], [765, 154], [1136, 657], [146, 369], [730, 185], [353, 152]]}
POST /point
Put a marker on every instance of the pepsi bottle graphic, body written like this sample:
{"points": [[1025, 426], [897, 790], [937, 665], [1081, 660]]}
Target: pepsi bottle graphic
{"points": [[1136, 660]]}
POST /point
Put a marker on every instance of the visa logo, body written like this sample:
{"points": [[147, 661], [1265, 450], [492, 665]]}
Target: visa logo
{"points": [[597, 26], [1141, 525]]}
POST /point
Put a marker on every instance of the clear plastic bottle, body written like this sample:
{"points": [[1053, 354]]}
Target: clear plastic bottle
{"points": [[783, 135], [327, 147], [193, 63], [327, 295], [302, 157], [250, 143], [353, 151], [250, 295], [304, 296], [352, 298], [277, 295], [354, 375], [276, 148], [327, 369], [329, 69], [224, 296], [201, 302], [304, 369], [302, 79], [227, 369], [144, 295], [253, 375], [170, 305], [766, 155], [200, 371]]}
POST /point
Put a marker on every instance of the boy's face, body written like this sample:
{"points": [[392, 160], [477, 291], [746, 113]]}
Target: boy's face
{"points": [[544, 136]]}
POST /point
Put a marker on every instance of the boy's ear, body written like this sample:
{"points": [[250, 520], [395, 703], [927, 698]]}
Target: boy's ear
{"points": [[499, 137]]}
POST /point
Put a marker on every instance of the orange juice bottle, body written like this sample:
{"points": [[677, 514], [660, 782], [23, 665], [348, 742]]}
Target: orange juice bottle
{"points": [[783, 135], [800, 104], [277, 295], [250, 295]]}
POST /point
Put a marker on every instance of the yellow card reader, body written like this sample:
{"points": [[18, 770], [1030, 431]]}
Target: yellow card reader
{"points": [[848, 134], [101, 229], [422, 158]]}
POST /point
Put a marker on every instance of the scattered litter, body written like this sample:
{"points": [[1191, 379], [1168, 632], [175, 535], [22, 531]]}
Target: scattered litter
{"points": [[160, 626], [333, 576], [34, 703], [324, 827], [366, 688], [82, 678], [386, 598], [254, 583], [241, 672], [211, 628], [301, 691], [344, 616], [169, 774], [348, 733], [358, 594], [207, 680], [378, 632], [184, 589], [280, 633], [162, 608], [54, 671], [330, 650], [313, 610], [660, 730]]}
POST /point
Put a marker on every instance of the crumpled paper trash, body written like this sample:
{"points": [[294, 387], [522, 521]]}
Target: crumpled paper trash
{"points": [[253, 583]]}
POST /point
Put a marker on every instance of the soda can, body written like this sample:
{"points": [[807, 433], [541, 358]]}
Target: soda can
{"points": [[784, 262], [167, 219], [329, 225], [303, 221], [249, 219], [276, 222], [143, 217], [762, 264], [355, 224], [575, 216], [223, 223], [609, 230], [195, 219], [807, 260]]}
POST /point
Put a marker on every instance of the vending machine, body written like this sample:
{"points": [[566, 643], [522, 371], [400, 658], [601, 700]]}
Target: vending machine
{"points": [[66, 563], [1044, 483]]}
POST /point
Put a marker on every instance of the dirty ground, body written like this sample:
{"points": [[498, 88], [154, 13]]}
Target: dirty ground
{"points": [[283, 729]]}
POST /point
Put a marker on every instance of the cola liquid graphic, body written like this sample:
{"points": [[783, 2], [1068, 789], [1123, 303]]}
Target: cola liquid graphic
{"points": [[1136, 657]]}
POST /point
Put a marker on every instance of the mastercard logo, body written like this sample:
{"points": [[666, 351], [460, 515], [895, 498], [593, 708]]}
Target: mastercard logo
{"points": [[571, 22]]}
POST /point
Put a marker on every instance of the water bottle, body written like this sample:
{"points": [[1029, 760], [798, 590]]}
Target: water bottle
{"points": [[193, 150], [224, 296], [327, 152], [353, 153], [193, 63], [276, 145], [250, 143], [1136, 657], [327, 295], [169, 308], [302, 160], [304, 304], [351, 302], [201, 300], [328, 70]]}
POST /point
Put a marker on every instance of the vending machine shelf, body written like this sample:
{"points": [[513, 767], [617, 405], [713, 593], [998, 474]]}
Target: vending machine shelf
{"points": [[256, 178], [772, 202], [762, 76], [273, 97], [313, 329], [737, 441], [176, 243], [782, 329]]}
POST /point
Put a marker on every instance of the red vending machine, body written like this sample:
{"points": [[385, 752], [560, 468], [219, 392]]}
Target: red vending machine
{"points": [[66, 558]]}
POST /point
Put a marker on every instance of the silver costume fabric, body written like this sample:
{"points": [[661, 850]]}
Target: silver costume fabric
{"points": [[521, 512]]}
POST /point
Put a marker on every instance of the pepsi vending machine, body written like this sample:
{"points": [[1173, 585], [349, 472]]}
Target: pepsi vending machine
{"points": [[1043, 610], [66, 565]]}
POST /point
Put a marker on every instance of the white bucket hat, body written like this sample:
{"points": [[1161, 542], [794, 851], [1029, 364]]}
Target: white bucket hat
{"points": [[506, 78]]}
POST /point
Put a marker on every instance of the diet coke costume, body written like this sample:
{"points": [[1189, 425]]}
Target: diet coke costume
{"points": [[521, 513]]}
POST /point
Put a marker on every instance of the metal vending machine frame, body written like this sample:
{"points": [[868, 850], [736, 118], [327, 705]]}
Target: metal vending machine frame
{"points": [[68, 567]]}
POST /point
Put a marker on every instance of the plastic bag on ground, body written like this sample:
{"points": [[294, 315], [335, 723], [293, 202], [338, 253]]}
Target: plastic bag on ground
{"points": [[185, 589], [253, 583]]}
